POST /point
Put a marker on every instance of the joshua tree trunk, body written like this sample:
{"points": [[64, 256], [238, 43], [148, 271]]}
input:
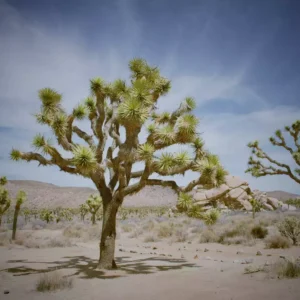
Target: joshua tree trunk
{"points": [[93, 218], [15, 222], [108, 236], [0, 220]]}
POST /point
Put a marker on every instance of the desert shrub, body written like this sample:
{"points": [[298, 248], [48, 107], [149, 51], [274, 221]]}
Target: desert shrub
{"points": [[208, 236], [165, 230], [149, 225], [4, 239], [290, 228], [180, 236], [211, 217], [127, 228], [59, 242], [234, 229], [244, 240], [277, 242], [136, 233], [259, 232], [53, 281], [73, 231], [150, 239], [287, 268]]}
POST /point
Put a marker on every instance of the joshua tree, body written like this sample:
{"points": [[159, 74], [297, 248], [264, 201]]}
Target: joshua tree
{"points": [[21, 197], [256, 206], [4, 198], [118, 113], [47, 215], [257, 168], [84, 209], [94, 203]]}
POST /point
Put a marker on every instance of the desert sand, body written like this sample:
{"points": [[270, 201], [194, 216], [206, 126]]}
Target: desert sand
{"points": [[161, 269]]}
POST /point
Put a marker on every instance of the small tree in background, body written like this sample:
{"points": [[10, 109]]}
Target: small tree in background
{"points": [[94, 203], [290, 228], [4, 198], [21, 197], [84, 209], [256, 206], [47, 215], [118, 112], [257, 166]]}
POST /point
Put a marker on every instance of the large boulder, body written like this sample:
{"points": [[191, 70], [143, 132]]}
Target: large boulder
{"points": [[234, 194]]}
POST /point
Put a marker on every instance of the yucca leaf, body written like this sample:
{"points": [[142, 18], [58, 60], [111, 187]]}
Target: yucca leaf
{"points": [[80, 112], [15, 155], [97, 86], [146, 151], [184, 202], [84, 158]]}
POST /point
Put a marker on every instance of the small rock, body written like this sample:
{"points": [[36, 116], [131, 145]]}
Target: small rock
{"points": [[258, 253], [169, 255], [196, 256], [222, 270], [208, 258], [206, 250], [131, 251], [178, 249], [221, 260], [182, 256], [151, 253], [215, 260], [267, 263], [121, 250], [154, 248], [240, 252], [269, 254], [162, 254], [282, 256], [154, 253], [247, 261], [189, 242], [197, 250], [219, 251], [236, 261], [6, 292]]}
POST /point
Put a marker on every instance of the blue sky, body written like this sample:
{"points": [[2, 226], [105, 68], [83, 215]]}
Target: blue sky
{"points": [[238, 58]]}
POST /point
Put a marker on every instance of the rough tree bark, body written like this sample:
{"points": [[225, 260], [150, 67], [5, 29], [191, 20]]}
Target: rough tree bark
{"points": [[108, 236]]}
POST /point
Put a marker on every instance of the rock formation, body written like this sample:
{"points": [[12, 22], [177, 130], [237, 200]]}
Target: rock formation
{"points": [[234, 194]]}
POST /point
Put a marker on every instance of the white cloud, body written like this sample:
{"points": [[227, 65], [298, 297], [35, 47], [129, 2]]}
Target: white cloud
{"points": [[33, 57]]}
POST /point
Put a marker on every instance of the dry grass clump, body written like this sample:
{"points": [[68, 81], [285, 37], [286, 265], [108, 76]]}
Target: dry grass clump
{"points": [[53, 281], [277, 242], [286, 268], [83, 233], [259, 232], [290, 228], [165, 230], [127, 228], [4, 239], [180, 236], [149, 225], [136, 232], [150, 239], [239, 240], [208, 236]]}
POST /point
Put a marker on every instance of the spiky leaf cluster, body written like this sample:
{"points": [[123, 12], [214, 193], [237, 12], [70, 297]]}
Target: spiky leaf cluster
{"points": [[211, 216]]}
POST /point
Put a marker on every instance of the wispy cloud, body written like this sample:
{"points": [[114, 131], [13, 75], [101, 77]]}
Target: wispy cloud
{"points": [[34, 56]]}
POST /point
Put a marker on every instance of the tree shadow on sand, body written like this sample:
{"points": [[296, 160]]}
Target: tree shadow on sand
{"points": [[85, 267]]}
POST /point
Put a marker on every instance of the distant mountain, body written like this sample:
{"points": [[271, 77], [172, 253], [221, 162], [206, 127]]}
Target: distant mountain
{"points": [[41, 194], [281, 195]]}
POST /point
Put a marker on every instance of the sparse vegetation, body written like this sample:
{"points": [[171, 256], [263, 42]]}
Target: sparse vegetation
{"points": [[287, 268], [277, 242], [4, 198], [290, 228], [52, 281], [259, 232], [211, 217], [256, 206]]}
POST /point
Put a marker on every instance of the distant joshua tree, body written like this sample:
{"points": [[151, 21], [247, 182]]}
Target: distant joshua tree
{"points": [[264, 165], [118, 112], [4, 198]]}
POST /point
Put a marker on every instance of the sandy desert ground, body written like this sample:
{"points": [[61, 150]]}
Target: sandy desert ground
{"points": [[158, 258]]}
